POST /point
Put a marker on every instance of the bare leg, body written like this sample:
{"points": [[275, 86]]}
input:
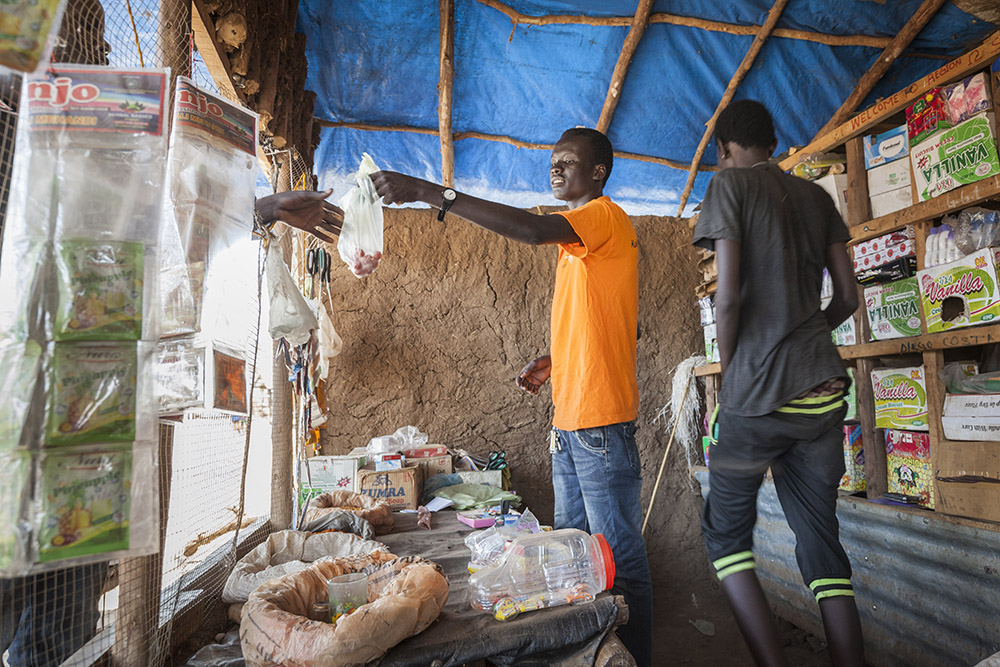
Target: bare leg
{"points": [[753, 616], [843, 631]]}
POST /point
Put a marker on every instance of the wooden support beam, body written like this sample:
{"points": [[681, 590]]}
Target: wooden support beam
{"points": [[734, 83], [517, 17], [639, 23], [892, 51], [446, 79], [212, 53], [500, 138]]}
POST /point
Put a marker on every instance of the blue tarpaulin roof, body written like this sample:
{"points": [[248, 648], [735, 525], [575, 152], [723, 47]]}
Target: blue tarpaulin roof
{"points": [[376, 63]]}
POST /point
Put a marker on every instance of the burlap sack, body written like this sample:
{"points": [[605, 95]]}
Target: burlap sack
{"points": [[405, 596], [378, 514], [289, 551]]}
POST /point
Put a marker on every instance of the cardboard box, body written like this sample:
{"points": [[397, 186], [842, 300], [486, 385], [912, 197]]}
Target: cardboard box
{"points": [[961, 293], [892, 176], [900, 398], [908, 460], [884, 256], [907, 233], [835, 186], [891, 201], [967, 474], [955, 157], [386, 461], [886, 147], [425, 452], [400, 489], [972, 417], [897, 269], [331, 473], [893, 309], [927, 115], [854, 461], [433, 465], [846, 332]]}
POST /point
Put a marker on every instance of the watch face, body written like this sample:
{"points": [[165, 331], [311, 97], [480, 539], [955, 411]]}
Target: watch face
{"points": [[449, 194]]}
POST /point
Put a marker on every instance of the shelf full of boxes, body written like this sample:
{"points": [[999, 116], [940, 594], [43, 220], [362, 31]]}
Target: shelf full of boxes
{"points": [[918, 184]]}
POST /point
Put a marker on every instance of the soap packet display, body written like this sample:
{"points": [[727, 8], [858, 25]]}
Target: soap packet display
{"points": [[94, 503], [98, 392], [20, 364], [14, 532]]}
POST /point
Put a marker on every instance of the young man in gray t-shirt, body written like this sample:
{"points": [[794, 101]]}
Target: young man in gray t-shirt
{"points": [[781, 404]]}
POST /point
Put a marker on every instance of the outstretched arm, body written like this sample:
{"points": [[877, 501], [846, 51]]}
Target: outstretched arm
{"points": [[307, 211], [513, 223]]}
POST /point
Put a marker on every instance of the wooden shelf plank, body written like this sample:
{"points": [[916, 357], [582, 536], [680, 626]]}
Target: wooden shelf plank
{"points": [[710, 369], [969, 62], [964, 337], [967, 195]]}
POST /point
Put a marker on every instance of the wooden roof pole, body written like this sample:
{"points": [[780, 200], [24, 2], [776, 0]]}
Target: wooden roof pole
{"points": [[517, 17], [865, 84], [734, 83], [446, 79], [639, 23]]}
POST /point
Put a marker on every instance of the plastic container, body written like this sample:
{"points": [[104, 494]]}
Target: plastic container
{"points": [[544, 570]]}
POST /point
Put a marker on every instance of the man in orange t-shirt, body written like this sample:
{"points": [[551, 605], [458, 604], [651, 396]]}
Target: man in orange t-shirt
{"points": [[596, 472]]}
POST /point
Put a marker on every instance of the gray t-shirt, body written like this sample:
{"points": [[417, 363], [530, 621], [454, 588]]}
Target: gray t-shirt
{"points": [[783, 225]]}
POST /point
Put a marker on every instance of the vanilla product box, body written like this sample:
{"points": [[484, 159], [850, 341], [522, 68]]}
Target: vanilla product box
{"points": [[893, 309], [955, 157], [908, 459], [900, 398], [961, 293]]}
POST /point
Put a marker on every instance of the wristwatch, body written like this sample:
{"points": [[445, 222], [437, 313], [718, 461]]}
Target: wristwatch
{"points": [[447, 199]]}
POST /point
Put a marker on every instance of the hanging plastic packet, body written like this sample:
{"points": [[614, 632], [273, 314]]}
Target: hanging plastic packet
{"points": [[360, 243]]}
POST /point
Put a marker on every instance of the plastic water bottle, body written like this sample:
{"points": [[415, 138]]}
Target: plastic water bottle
{"points": [[941, 252], [930, 249], [953, 253], [547, 569]]}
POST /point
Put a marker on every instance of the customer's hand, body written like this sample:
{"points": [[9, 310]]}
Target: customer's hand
{"points": [[307, 211], [533, 376], [396, 188]]}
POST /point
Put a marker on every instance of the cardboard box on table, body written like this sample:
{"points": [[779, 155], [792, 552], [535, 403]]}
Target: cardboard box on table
{"points": [[908, 462], [400, 489], [331, 473]]}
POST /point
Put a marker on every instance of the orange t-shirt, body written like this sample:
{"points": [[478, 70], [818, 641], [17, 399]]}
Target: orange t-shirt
{"points": [[595, 310]]}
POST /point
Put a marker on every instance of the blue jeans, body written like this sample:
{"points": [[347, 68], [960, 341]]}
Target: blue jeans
{"points": [[597, 479], [45, 618]]}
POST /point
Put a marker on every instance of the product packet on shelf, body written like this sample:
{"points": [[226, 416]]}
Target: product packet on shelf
{"points": [[886, 147], [28, 29], [897, 269], [97, 392], [926, 116], [893, 309], [853, 479], [955, 157], [960, 293], [977, 94], [954, 96], [19, 368], [180, 375], [101, 287], [14, 467], [908, 458], [900, 398]]}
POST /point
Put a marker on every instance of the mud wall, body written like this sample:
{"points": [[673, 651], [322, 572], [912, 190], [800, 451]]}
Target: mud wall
{"points": [[436, 336]]}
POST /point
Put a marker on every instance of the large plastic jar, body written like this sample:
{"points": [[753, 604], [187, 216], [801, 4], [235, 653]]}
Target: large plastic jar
{"points": [[544, 570]]}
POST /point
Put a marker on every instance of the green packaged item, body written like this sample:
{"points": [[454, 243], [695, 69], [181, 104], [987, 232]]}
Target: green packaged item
{"points": [[13, 478], [900, 398], [18, 377], [893, 309], [91, 393], [852, 397], [85, 502], [955, 157], [961, 293], [100, 290]]}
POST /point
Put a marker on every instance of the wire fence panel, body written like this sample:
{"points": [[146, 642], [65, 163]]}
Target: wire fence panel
{"points": [[214, 506]]}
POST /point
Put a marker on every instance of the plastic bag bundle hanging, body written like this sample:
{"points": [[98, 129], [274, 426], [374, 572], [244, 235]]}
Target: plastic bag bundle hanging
{"points": [[360, 243], [291, 317]]}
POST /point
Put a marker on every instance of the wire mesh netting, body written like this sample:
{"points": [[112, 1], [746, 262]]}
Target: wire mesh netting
{"points": [[214, 506]]}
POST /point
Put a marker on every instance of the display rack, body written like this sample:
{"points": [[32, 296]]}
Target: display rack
{"points": [[975, 492]]}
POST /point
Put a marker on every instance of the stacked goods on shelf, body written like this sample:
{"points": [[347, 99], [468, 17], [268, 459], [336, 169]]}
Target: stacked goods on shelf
{"points": [[854, 461], [952, 137], [908, 461], [79, 320], [972, 404], [889, 188], [961, 293], [846, 332], [707, 307], [209, 255], [900, 398], [893, 309], [886, 258]]}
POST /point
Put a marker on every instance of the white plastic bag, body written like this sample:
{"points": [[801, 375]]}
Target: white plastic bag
{"points": [[291, 317], [329, 341], [360, 243]]}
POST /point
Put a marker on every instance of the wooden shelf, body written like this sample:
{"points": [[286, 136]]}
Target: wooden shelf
{"points": [[963, 197], [964, 337], [710, 369]]}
